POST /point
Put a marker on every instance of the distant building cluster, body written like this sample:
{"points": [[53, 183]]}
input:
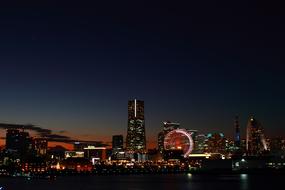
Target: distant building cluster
{"points": [[175, 145], [20, 143], [255, 144]]}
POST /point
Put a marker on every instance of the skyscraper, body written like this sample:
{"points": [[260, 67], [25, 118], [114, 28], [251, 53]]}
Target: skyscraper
{"points": [[237, 133], [136, 140], [255, 140]]}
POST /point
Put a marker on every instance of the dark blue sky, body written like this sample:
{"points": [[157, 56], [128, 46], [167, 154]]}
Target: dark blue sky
{"points": [[73, 67]]}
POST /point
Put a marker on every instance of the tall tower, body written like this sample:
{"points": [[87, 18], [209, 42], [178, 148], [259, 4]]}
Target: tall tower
{"points": [[255, 140], [237, 132], [136, 140]]}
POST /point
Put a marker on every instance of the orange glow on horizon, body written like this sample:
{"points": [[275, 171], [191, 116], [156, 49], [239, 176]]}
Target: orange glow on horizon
{"points": [[68, 146], [65, 145]]}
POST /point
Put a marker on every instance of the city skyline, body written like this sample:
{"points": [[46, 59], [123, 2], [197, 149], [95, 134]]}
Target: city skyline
{"points": [[68, 142], [73, 69], [142, 95]]}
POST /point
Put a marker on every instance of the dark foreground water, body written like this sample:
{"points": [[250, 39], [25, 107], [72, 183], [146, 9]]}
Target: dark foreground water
{"points": [[149, 182]]}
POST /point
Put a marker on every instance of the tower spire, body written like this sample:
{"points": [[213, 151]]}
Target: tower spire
{"points": [[237, 132]]}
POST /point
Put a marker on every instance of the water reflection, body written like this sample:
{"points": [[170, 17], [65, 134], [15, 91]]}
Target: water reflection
{"points": [[244, 181], [156, 182], [243, 176], [189, 175]]}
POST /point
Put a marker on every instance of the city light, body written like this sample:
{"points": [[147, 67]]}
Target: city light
{"points": [[142, 95], [179, 150], [171, 139], [243, 176]]}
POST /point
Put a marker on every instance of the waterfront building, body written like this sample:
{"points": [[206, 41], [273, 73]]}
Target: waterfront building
{"points": [[79, 146], [40, 146], [34, 165], [255, 139], [95, 153], [76, 164], [73, 154], [136, 139], [18, 141], [167, 127], [200, 143], [216, 143], [237, 138]]}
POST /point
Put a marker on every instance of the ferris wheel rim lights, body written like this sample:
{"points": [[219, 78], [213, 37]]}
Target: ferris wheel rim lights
{"points": [[187, 134]]}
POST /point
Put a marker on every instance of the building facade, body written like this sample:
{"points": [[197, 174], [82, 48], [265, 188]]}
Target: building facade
{"points": [[13, 139], [200, 143], [167, 127], [40, 146], [117, 142], [237, 133], [136, 139], [255, 139], [216, 143], [160, 141], [18, 141]]}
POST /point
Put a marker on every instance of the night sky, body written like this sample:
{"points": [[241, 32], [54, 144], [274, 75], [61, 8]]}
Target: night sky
{"points": [[72, 68]]}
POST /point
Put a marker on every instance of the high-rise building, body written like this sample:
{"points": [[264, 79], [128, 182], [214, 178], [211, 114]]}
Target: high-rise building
{"points": [[216, 143], [117, 142], [12, 139], [40, 146], [200, 143], [255, 140], [237, 133], [167, 127], [136, 140], [18, 141], [160, 141]]}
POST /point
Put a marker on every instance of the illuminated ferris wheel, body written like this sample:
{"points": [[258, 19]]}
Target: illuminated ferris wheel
{"points": [[179, 139]]}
